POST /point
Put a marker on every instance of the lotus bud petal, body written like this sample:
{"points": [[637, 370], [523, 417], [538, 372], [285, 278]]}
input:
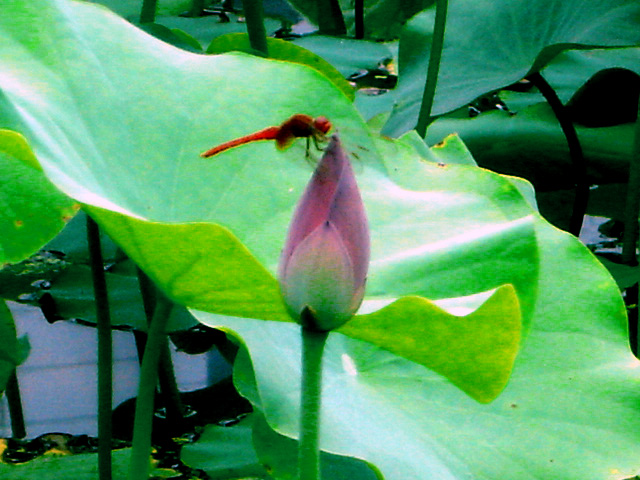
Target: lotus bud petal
{"points": [[323, 267]]}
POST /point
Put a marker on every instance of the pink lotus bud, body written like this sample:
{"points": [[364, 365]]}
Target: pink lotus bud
{"points": [[323, 267]]}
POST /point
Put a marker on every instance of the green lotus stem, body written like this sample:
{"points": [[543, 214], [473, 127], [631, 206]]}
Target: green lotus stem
{"points": [[167, 379], [148, 11], [197, 7], [254, 13], [630, 239], [143, 420], [169, 390], [631, 298], [148, 293], [632, 207], [12, 392], [105, 350], [425, 117], [310, 401], [359, 19], [575, 151], [330, 18]]}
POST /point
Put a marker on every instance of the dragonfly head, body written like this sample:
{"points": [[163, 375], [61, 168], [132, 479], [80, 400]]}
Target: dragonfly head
{"points": [[322, 124]]}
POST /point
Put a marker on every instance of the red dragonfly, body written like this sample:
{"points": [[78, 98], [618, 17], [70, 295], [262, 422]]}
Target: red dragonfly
{"points": [[297, 126]]}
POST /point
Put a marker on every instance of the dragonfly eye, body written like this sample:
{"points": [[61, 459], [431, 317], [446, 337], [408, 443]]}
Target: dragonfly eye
{"points": [[322, 124]]}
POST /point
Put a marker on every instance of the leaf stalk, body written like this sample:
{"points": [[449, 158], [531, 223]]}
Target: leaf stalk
{"points": [[359, 19], [105, 350], [143, 420], [14, 402], [424, 117], [632, 207], [313, 343], [254, 14], [148, 11], [330, 18], [167, 378], [575, 152]]}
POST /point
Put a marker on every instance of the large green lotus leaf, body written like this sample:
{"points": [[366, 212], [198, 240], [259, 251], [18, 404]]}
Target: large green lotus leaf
{"points": [[199, 264], [479, 253], [447, 230], [484, 252], [32, 210], [491, 44], [570, 410], [122, 130]]}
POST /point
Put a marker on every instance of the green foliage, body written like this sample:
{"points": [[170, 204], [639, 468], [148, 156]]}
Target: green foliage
{"points": [[131, 8], [225, 451], [467, 284], [282, 50], [219, 266], [74, 299], [383, 18], [570, 70], [79, 467], [251, 449], [476, 352], [569, 411], [531, 144], [345, 54], [528, 140], [492, 44], [32, 210]]}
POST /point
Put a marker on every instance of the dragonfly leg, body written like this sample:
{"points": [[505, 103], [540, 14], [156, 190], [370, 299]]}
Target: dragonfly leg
{"points": [[316, 142], [308, 151]]}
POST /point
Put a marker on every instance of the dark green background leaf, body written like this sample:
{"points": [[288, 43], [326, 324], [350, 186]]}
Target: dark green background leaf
{"points": [[78, 467], [490, 44], [531, 144], [282, 50], [225, 452]]}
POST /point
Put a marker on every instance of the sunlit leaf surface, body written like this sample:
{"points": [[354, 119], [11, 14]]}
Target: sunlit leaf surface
{"points": [[32, 210], [569, 411]]}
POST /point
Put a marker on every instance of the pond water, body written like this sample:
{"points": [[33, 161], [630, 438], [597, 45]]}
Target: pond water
{"points": [[58, 381]]}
